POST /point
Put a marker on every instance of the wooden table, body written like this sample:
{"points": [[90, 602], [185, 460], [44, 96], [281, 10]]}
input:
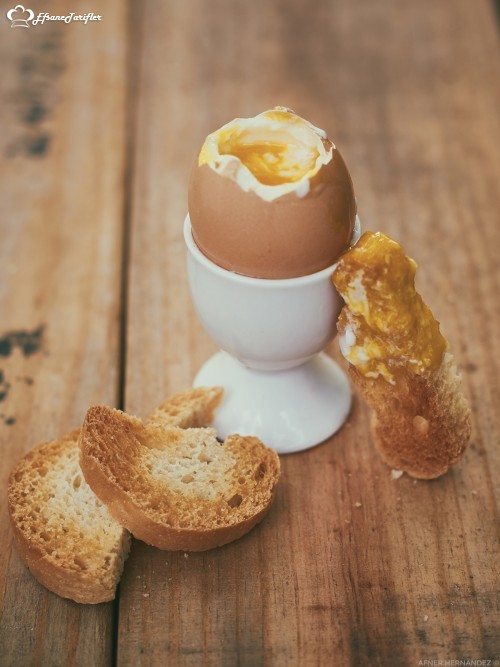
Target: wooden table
{"points": [[100, 124]]}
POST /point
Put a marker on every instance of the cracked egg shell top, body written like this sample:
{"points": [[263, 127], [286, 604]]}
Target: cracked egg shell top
{"points": [[271, 197]]}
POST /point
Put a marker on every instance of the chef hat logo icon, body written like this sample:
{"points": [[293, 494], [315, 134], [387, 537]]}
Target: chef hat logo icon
{"points": [[19, 17]]}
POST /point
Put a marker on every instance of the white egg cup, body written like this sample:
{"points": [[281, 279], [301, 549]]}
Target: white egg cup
{"points": [[278, 384]]}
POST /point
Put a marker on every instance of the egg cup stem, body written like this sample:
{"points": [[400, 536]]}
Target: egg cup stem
{"points": [[289, 410]]}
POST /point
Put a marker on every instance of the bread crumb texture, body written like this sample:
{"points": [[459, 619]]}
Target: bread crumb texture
{"points": [[59, 520], [183, 478], [421, 424]]}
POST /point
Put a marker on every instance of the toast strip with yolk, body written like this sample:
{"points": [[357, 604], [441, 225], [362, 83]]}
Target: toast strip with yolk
{"points": [[399, 360]]}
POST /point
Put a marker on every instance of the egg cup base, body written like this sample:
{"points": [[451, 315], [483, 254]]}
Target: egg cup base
{"points": [[290, 410]]}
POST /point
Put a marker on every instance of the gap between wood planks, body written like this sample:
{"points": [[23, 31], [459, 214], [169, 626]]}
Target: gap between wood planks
{"points": [[134, 43]]}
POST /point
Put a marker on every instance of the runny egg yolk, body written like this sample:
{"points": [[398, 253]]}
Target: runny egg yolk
{"points": [[271, 163], [387, 323], [277, 147]]}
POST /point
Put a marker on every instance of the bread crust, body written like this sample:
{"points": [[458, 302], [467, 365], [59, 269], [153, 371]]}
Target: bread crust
{"points": [[77, 586], [112, 445], [188, 409], [60, 574]]}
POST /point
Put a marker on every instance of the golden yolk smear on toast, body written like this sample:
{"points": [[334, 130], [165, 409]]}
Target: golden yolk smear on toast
{"points": [[385, 325]]}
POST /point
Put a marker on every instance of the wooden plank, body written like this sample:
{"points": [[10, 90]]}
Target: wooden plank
{"points": [[351, 567], [62, 167]]}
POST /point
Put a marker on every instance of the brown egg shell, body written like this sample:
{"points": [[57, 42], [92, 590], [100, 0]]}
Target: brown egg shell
{"points": [[284, 238]]}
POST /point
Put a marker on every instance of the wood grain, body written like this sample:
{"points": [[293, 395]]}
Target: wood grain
{"points": [[351, 567], [62, 165]]}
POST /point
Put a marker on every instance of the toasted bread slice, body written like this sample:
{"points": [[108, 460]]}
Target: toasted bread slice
{"points": [[399, 360], [188, 409], [66, 536], [177, 489], [421, 424]]}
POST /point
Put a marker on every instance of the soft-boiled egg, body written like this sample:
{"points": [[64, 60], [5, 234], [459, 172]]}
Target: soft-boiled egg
{"points": [[271, 197]]}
